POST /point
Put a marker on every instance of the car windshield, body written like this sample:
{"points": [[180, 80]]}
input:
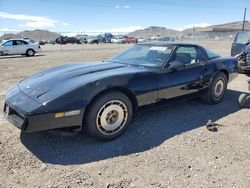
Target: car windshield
{"points": [[144, 55], [210, 54]]}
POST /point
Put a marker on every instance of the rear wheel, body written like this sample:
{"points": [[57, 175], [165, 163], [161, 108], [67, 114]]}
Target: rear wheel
{"points": [[30, 52], [216, 89], [109, 115]]}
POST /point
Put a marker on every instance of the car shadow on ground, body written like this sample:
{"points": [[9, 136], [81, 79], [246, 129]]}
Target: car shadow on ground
{"points": [[20, 56], [152, 125]]}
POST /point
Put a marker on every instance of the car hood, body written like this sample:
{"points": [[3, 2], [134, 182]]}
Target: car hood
{"points": [[68, 77]]}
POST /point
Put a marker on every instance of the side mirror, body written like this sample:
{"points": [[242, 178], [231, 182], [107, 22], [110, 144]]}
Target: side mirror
{"points": [[175, 65]]}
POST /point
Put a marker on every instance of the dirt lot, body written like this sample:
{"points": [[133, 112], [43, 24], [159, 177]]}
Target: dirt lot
{"points": [[165, 146]]}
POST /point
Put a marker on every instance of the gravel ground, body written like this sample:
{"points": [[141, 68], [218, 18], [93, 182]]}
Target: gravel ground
{"points": [[166, 145]]}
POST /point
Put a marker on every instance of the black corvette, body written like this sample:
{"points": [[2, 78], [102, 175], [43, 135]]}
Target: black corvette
{"points": [[100, 97]]}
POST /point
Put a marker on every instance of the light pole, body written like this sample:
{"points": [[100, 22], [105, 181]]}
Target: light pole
{"points": [[243, 26]]}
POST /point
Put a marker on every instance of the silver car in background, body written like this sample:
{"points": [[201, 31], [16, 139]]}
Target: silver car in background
{"points": [[19, 47], [117, 40]]}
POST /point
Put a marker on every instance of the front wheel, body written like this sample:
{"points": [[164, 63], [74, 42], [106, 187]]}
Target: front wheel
{"points": [[108, 116], [216, 89]]}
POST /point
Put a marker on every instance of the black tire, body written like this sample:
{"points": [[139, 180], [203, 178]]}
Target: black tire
{"points": [[216, 90], [244, 101], [30, 52], [102, 105]]}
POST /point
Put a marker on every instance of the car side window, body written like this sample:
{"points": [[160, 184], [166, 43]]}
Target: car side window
{"points": [[18, 42], [21, 42], [186, 55], [8, 43]]}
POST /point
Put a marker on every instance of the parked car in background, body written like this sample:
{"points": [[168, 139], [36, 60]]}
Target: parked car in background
{"points": [[100, 38], [19, 47], [157, 37], [244, 60], [117, 40], [82, 38], [101, 97], [51, 42], [42, 42], [93, 40], [129, 40], [108, 37], [73, 40], [29, 40], [140, 40], [66, 40], [61, 40], [241, 49], [241, 40], [105, 38], [167, 39]]}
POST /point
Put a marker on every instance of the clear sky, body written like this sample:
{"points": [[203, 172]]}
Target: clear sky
{"points": [[117, 15]]}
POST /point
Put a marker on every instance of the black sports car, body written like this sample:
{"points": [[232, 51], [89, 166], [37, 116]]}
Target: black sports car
{"points": [[102, 96]]}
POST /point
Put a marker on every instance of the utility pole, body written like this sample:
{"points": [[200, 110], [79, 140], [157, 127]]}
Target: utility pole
{"points": [[244, 19]]}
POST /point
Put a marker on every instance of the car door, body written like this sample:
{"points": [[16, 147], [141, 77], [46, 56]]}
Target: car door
{"points": [[239, 43], [190, 77], [8, 48], [21, 46]]}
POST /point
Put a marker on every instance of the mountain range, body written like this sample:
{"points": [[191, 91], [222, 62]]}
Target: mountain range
{"points": [[144, 33]]}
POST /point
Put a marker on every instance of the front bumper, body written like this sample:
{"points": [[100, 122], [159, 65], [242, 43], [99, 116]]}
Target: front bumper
{"points": [[34, 123], [30, 116], [15, 117]]}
